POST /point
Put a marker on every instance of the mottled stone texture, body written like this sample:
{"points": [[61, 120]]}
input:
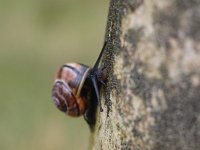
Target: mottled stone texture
{"points": [[152, 97]]}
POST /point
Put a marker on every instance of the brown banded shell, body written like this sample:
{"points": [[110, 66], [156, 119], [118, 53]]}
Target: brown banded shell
{"points": [[67, 87]]}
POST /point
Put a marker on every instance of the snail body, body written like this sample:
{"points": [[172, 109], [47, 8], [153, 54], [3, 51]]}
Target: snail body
{"points": [[73, 84]]}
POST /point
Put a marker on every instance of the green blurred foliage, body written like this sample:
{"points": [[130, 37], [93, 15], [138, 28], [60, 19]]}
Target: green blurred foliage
{"points": [[36, 37]]}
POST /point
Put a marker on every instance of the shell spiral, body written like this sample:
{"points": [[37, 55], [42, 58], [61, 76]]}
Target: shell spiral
{"points": [[67, 88]]}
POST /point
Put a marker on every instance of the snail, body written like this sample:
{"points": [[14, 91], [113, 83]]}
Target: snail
{"points": [[76, 88]]}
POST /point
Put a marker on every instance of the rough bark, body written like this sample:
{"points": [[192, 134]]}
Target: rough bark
{"points": [[152, 97]]}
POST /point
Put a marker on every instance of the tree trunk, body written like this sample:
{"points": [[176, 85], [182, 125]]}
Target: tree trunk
{"points": [[152, 97]]}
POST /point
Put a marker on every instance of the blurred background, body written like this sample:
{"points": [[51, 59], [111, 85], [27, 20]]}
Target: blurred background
{"points": [[36, 38]]}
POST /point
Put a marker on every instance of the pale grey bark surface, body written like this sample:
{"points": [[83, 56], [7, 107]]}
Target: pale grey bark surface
{"points": [[152, 97]]}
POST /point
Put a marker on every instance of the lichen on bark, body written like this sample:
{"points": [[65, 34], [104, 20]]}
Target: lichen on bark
{"points": [[152, 98]]}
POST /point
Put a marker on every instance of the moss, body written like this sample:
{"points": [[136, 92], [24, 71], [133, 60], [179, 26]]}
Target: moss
{"points": [[112, 36]]}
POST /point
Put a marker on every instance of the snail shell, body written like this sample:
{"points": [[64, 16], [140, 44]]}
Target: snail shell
{"points": [[67, 88]]}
